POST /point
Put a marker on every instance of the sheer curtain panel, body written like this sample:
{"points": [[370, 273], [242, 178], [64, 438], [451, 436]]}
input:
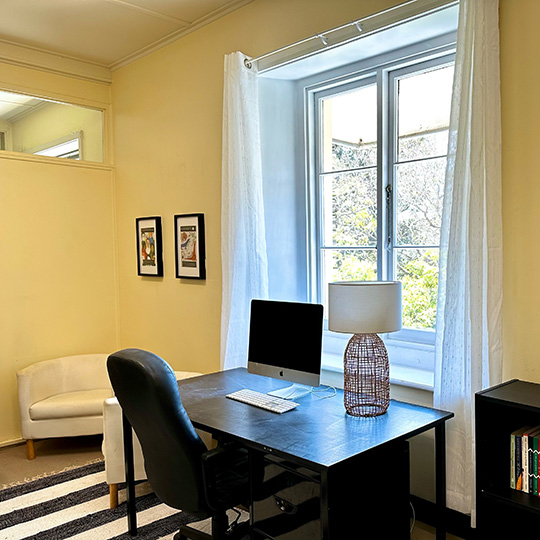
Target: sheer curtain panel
{"points": [[243, 242], [468, 355]]}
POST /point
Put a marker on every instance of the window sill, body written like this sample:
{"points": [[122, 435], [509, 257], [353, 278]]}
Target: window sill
{"points": [[332, 374]]}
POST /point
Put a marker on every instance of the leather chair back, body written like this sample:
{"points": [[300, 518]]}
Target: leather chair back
{"points": [[147, 391]]}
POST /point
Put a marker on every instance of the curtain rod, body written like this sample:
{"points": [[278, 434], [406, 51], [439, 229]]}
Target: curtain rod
{"points": [[419, 8], [249, 62]]}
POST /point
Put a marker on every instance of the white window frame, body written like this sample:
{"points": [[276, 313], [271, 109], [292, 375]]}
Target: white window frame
{"points": [[52, 145], [409, 347]]}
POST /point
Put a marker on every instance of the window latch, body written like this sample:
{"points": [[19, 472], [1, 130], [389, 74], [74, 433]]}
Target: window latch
{"points": [[389, 217]]}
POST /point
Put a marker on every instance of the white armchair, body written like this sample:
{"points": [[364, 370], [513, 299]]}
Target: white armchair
{"points": [[63, 397], [113, 444]]}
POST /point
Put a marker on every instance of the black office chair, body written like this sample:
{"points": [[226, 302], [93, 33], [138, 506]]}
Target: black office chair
{"points": [[183, 473]]}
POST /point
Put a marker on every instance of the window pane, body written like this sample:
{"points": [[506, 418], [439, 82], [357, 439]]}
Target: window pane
{"points": [[350, 209], [34, 125], [349, 128], [348, 265], [418, 271], [420, 190], [424, 113]]}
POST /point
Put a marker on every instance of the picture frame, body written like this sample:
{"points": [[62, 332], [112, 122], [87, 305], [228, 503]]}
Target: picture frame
{"points": [[190, 249], [149, 246]]}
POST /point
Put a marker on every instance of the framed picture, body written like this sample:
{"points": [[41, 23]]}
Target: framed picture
{"points": [[190, 246], [149, 246]]}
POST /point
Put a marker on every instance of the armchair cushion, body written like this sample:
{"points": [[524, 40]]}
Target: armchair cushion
{"points": [[71, 404]]}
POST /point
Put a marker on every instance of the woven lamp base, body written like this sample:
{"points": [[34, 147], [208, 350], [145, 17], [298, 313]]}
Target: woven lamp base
{"points": [[366, 376]]}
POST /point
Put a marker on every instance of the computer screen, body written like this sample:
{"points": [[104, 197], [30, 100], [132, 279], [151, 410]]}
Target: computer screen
{"points": [[285, 340]]}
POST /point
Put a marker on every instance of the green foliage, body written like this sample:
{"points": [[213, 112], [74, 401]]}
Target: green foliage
{"points": [[353, 216], [419, 275], [354, 265]]}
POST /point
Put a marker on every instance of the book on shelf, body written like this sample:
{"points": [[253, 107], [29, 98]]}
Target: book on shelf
{"points": [[533, 462], [524, 461], [528, 457], [516, 474]]}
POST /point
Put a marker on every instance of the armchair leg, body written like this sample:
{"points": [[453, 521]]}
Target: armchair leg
{"points": [[30, 449], [113, 496]]}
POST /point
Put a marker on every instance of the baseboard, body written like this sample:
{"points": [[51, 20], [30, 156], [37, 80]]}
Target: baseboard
{"points": [[11, 442], [457, 523]]}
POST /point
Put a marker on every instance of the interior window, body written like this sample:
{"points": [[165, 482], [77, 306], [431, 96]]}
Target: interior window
{"points": [[38, 126]]}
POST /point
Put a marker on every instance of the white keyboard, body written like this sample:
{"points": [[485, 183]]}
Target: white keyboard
{"points": [[263, 401]]}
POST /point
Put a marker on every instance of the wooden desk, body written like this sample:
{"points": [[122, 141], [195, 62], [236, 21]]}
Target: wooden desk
{"points": [[358, 466]]}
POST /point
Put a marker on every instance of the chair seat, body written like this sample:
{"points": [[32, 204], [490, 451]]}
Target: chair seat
{"points": [[71, 404]]}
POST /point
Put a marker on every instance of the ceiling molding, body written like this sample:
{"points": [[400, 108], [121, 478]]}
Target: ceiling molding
{"points": [[63, 64], [177, 34], [35, 58]]}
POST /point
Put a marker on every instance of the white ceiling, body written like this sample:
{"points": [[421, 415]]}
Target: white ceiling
{"points": [[108, 33]]}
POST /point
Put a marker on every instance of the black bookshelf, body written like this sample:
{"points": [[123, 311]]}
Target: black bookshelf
{"points": [[499, 411]]}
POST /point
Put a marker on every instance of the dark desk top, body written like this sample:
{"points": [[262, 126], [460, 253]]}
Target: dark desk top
{"points": [[318, 431]]}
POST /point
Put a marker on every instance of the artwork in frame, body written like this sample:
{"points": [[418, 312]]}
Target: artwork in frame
{"points": [[190, 246], [149, 246]]}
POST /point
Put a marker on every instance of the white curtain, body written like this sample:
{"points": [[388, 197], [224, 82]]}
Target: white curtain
{"points": [[468, 354], [243, 242]]}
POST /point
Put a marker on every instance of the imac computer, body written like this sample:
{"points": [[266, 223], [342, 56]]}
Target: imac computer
{"points": [[285, 342]]}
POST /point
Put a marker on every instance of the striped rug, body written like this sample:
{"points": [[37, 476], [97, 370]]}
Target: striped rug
{"points": [[75, 504]]}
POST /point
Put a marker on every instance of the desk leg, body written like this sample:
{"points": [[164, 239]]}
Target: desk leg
{"points": [[130, 477], [440, 480]]}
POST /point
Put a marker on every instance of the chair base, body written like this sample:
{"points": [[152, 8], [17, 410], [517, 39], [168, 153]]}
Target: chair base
{"points": [[220, 530], [188, 533]]}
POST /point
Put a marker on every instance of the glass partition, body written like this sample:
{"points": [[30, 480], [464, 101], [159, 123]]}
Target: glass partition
{"points": [[38, 126]]}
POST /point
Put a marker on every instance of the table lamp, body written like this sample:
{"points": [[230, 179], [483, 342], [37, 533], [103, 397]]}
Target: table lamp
{"points": [[365, 308]]}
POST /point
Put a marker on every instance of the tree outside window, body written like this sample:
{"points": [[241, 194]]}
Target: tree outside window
{"points": [[360, 238]]}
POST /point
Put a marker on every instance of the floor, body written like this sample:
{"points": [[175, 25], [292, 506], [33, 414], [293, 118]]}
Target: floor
{"points": [[54, 455], [424, 532]]}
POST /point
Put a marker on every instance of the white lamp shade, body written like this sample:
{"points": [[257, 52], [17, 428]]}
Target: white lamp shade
{"points": [[364, 307]]}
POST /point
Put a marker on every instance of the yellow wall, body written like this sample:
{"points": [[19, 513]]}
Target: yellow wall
{"points": [[520, 80], [167, 118], [168, 152], [59, 290]]}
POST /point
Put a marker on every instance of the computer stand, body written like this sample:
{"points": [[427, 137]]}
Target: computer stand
{"points": [[295, 391]]}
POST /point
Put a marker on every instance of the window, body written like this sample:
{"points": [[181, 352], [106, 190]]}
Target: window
{"points": [[379, 143], [46, 127]]}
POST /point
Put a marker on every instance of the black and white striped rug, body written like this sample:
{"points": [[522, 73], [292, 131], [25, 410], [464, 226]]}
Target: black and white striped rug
{"points": [[75, 504]]}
